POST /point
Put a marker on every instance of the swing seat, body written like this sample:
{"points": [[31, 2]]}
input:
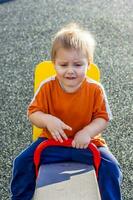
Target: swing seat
{"points": [[66, 180]]}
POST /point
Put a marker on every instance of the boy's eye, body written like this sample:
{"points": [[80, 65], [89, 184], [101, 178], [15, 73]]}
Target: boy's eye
{"points": [[63, 65], [77, 64]]}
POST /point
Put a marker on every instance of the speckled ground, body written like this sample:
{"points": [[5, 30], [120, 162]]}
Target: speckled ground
{"points": [[26, 28]]}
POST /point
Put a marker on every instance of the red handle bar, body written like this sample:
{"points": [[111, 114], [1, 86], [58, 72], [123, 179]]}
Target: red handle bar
{"points": [[65, 143]]}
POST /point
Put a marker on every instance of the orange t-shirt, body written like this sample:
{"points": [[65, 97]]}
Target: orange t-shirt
{"points": [[76, 109]]}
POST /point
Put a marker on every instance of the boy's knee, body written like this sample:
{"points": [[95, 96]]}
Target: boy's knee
{"points": [[112, 169], [20, 160], [115, 169], [17, 161]]}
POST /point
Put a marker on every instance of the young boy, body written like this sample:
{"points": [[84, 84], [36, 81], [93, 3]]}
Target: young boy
{"points": [[69, 105]]}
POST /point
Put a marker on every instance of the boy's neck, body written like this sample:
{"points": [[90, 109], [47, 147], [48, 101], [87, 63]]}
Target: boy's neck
{"points": [[70, 89]]}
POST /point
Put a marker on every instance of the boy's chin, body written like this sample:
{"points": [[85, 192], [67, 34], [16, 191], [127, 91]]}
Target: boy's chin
{"points": [[71, 87]]}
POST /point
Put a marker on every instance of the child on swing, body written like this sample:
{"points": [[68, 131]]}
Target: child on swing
{"points": [[69, 105]]}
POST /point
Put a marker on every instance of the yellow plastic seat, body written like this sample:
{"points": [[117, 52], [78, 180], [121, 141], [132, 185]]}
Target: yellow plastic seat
{"points": [[46, 69]]}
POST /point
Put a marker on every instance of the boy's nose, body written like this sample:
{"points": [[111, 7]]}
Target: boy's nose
{"points": [[70, 69], [70, 72]]}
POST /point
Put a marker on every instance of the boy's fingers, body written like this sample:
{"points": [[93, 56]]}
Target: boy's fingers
{"points": [[53, 135], [81, 146], [85, 146], [57, 136], [63, 134], [73, 144], [77, 146]]}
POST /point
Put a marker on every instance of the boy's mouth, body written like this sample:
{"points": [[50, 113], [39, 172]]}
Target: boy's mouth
{"points": [[70, 78]]}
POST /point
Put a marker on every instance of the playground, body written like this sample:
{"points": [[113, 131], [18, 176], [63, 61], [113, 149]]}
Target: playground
{"points": [[26, 29]]}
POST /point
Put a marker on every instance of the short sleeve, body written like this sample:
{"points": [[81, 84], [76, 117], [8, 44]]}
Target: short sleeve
{"points": [[38, 102], [101, 108]]}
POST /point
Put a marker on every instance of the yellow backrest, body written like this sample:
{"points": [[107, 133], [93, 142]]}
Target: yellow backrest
{"points": [[44, 70]]}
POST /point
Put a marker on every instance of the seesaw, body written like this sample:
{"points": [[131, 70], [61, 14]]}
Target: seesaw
{"points": [[66, 180]]}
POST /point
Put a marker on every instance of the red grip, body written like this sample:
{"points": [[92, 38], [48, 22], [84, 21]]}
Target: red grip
{"points": [[65, 143]]}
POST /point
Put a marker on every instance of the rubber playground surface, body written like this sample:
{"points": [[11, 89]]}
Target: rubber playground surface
{"points": [[26, 28]]}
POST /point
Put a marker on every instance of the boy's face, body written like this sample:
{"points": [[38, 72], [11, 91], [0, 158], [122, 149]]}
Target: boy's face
{"points": [[71, 66]]}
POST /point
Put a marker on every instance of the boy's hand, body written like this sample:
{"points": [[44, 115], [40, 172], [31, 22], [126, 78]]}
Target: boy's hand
{"points": [[56, 127], [81, 140]]}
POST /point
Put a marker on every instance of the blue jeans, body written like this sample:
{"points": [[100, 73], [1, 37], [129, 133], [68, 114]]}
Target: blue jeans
{"points": [[24, 180]]}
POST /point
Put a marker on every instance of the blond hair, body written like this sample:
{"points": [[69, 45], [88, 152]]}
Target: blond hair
{"points": [[74, 37]]}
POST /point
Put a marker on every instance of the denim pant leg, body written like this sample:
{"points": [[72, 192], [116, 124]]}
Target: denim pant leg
{"points": [[23, 176], [110, 175]]}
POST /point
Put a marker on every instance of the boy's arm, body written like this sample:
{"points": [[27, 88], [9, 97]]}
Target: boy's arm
{"points": [[38, 119], [83, 137], [96, 127]]}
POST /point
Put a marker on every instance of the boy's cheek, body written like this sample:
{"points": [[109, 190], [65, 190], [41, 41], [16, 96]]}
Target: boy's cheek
{"points": [[59, 70]]}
